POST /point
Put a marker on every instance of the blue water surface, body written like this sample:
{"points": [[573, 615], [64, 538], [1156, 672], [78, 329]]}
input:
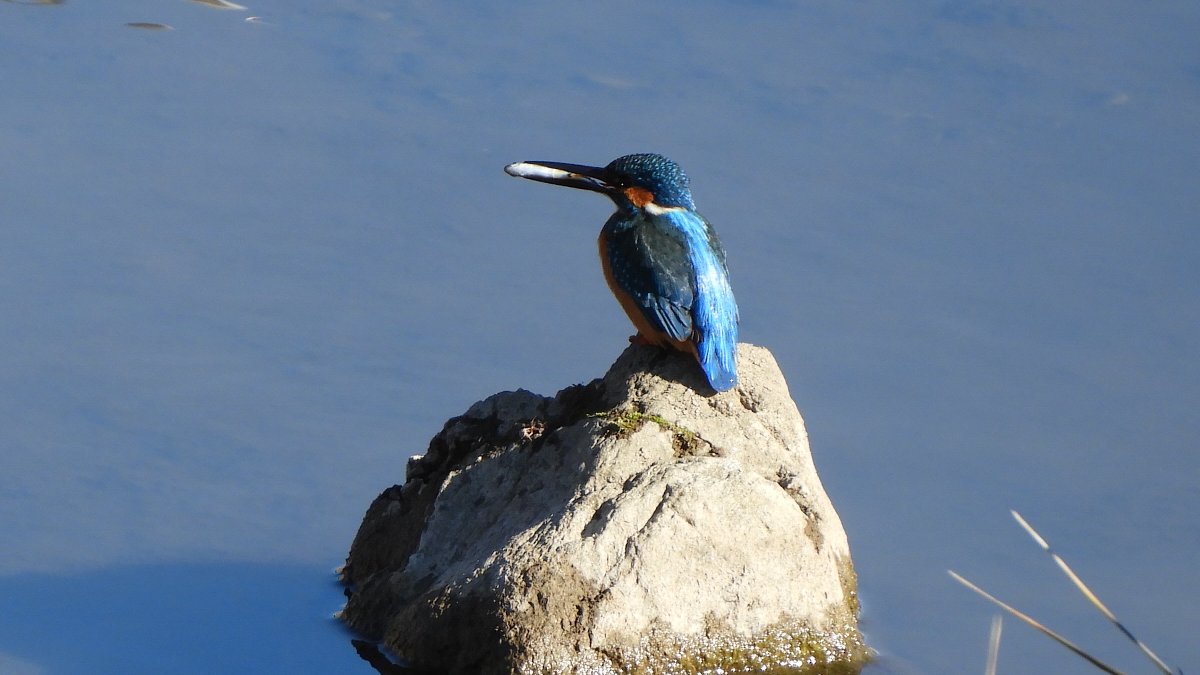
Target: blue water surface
{"points": [[251, 262]]}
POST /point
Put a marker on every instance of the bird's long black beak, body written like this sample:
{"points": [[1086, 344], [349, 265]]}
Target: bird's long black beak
{"points": [[560, 173]]}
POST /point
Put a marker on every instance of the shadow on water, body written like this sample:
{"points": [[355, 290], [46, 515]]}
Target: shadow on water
{"points": [[178, 618], [383, 664]]}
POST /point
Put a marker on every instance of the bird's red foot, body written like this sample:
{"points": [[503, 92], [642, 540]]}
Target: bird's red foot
{"points": [[640, 339]]}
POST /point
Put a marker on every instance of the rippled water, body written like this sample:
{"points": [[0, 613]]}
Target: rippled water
{"points": [[253, 258]]}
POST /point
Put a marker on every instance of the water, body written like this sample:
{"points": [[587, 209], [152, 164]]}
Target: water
{"points": [[248, 267]]}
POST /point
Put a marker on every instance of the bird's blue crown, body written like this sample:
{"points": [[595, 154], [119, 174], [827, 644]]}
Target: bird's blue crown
{"points": [[662, 177]]}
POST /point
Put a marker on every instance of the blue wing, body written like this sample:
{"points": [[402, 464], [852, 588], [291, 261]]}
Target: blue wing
{"points": [[649, 261], [673, 267]]}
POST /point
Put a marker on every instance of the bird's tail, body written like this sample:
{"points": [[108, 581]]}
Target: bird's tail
{"points": [[718, 360]]}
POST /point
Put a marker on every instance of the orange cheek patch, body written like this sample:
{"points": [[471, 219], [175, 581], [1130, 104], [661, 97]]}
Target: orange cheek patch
{"points": [[639, 196]]}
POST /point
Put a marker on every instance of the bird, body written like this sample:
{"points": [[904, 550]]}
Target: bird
{"points": [[662, 260]]}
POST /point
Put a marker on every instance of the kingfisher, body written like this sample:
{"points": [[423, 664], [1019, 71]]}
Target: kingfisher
{"points": [[662, 259]]}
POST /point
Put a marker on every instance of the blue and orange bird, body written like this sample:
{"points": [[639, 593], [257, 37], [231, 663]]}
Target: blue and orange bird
{"points": [[661, 258]]}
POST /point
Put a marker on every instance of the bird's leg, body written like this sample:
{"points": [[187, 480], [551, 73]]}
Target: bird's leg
{"points": [[640, 339]]}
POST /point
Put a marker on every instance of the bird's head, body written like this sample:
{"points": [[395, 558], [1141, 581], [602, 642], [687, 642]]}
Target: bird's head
{"points": [[642, 182]]}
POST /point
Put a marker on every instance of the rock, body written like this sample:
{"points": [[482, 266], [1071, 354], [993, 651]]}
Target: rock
{"points": [[639, 523]]}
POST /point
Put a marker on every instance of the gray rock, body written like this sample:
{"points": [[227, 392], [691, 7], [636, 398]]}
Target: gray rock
{"points": [[639, 523]]}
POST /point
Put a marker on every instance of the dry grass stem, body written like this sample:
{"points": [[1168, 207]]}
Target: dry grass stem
{"points": [[1033, 622], [994, 644], [1092, 597]]}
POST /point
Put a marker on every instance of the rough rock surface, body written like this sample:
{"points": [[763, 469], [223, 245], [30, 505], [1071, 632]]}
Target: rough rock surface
{"points": [[639, 523]]}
